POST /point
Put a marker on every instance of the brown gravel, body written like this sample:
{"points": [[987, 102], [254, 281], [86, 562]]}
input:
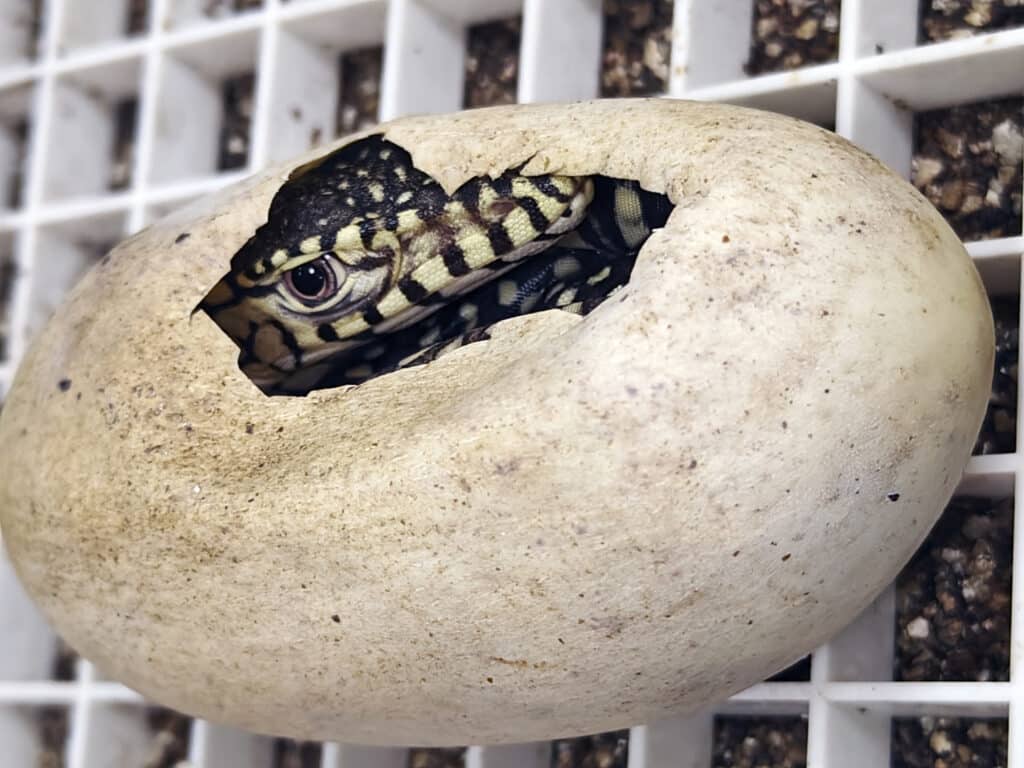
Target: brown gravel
{"points": [[443, 757], [53, 734], [968, 162], [760, 742], [124, 144], [296, 754], [940, 742], [953, 599], [16, 180], [788, 34], [237, 95], [170, 739], [999, 430], [137, 18], [602, 750], [359, 73], [951, 19], [637, 48], [492, 63]]}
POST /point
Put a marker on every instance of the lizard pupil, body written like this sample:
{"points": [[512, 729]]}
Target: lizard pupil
{"points": [[310, 279]]}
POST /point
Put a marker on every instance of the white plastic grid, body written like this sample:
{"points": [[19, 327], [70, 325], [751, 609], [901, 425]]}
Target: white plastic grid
{"points": [[86, 67]]}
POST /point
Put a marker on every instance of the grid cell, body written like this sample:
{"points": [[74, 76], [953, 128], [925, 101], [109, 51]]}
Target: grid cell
{"points": [[636, 54], [87, 24], [437, 757], [169, 734], [886, 25], [359, 100], [92, 131], [119, 734], [609, 750], [53, 724], [999, 430], [425, 58], [204, 105], [327, 78], [492, 63], [793, 35], [237, 95], [760, 742], [289, 753], [956, 742], [969, 162], [955, 19], [34, 736], [953, 598], [64, 251]]}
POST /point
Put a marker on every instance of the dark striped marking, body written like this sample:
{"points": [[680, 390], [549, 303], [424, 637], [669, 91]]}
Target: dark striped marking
{"points": [[501, 243], [454, 259], [289, 341], [326, 332], [372, 315], [367, 229], [412, 289], [537, 219], [548, 187], [372, 261]]}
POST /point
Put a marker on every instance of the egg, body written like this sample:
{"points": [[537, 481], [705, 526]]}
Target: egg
{"points": [[576, 525]]}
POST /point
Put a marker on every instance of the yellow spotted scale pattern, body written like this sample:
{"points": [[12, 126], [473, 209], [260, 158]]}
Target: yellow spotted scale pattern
{"points": [[366, 265]]}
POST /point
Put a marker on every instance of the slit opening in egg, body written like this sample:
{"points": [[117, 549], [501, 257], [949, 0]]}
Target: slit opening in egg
{"points": [[307, 314]]}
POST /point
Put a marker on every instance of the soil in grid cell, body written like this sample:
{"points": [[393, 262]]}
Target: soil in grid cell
{"points": [[636, 48], [953, 598], [65, 662], [289, 753], [941, 742], [53, 735], [237, 95], [602, 750], [952, 19], [124, 113], [437, 757], [759, 742], [492, 63], [136, 18], [788, 35], [170, 733], [969, 162], [14, 191], [359, 74], [8, 270], [999, 430]]}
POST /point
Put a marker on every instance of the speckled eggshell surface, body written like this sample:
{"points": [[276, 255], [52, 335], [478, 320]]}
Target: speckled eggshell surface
{"points": [[579, 525]]}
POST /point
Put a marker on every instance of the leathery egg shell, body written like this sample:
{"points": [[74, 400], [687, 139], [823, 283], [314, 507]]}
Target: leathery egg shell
{"points": [[578, 525]]}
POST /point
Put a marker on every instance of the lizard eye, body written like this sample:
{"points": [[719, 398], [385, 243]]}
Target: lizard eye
{"points": [[313, 282]]}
